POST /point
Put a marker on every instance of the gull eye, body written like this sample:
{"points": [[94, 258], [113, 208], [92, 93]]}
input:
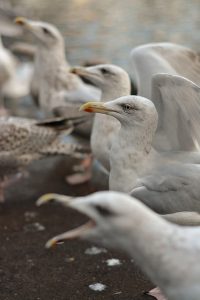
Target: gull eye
{"points": [[127, 107], [103, 211], [104, 71], [45, 30]]}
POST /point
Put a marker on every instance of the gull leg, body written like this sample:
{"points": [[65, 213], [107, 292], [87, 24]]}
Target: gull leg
{"points": [[4, 183], [157, 294], [3, 112], [85, 172], [2, 198]]}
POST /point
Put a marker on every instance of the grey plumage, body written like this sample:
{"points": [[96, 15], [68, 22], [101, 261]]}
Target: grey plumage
{"points": [[150, 59], [177, 100], [165, 181], [114, 82]]}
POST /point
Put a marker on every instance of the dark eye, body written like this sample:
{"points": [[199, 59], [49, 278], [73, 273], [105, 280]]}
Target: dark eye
{"points": [[103, 211], [45, 30], [127, 107], [104, 71]]}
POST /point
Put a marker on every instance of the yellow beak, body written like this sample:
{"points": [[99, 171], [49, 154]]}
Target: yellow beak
{"points": [[78, 71], [95, 107], [56, 197], [21, 21]]}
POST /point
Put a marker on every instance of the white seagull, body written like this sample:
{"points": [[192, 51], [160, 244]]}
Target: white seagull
{"points": [[168, 253], [165, 181]]}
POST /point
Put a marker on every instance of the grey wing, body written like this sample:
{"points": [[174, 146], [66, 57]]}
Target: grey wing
{"points": [[184, 218], [177, 101], [147, 61], [150, 59], [169, 193]]}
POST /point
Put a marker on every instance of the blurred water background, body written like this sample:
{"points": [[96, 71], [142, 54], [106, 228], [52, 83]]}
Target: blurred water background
{"points": [[109, 29]]}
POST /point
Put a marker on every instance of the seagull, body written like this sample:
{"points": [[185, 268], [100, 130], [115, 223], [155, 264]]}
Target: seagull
{"points": [[53, 84], [25, 140], [166, 252], [177, 101], [114, 82], [150, 59], [167, 181]]}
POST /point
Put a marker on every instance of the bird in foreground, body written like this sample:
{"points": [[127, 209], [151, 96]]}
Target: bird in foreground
{"points": [[166, 252], [150, 59], [114, 82], [53, 84], [167, 181], [25, 140]]}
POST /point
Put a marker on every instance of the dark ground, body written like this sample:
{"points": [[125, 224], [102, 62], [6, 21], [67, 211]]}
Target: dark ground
{"points": [[30, 272]]}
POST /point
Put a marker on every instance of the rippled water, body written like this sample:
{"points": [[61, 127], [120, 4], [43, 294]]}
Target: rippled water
{"points": [[109, 29]]}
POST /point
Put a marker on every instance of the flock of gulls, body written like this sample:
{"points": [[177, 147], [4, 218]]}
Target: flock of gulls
{"points": [[147, 147]]}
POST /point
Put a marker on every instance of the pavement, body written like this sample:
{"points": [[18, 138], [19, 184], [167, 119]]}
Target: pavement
{"points": [[70, 271]]}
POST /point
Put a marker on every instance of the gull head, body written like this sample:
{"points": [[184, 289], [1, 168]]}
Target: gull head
{"points": [[109, 78], [129, 110], [47, 35], [107, 213]]}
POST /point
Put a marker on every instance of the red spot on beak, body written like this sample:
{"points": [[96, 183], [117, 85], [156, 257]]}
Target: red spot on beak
{"points": [[89, 109]]}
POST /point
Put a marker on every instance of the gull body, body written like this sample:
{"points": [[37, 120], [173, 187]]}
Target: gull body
{"points": [[113, 82], [165, 181]]}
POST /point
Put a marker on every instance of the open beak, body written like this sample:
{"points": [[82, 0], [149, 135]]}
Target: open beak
{"points": [[71, 234], [96, 107]]}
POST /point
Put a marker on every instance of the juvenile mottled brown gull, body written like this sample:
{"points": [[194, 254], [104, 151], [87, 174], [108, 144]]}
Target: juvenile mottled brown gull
{"points": [[25, 140], [167, 253], [165, 181]]}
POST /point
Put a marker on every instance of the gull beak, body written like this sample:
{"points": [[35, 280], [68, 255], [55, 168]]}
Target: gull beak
{"points": [[96, 107], [21, 21], [27, 24], [71, 234], [88, 76], [56, 197], [78, 71]]}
